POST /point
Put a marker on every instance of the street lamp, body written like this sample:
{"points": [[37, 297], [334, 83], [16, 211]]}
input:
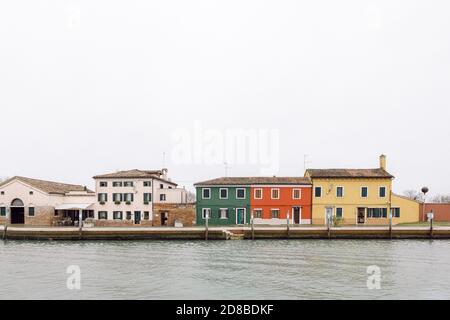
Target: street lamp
{"points": [[424, 191]]}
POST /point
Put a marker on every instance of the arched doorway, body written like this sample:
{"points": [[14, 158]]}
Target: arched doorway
{"points": [[17, 212]]}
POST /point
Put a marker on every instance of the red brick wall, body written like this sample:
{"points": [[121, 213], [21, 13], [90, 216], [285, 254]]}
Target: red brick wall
{"points": [[441, 211]]}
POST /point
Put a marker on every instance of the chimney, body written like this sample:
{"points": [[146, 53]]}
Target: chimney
{"points": [[165, 173], [383, 164]]}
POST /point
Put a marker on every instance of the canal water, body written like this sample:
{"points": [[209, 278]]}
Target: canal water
{"points": [[303, 269]]}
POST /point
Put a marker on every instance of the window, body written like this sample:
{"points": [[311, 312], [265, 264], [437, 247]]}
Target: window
{"points": [[275, 193], [128, 184], [146, 215], [31, 211], [102, 197], [103, 215], [224, 213], [161, 186], [382, 192], [206, 212], [162, 197], [240, 193], [275, 213], [2, 193], [147, 183], [3, 211], [297, 194], [117, 184], [364, 192], [377, 213], [257, 214], [103, 184], [339, 213], [129, 197], [258, 194], [206, 193], [31, 193], [128, 215], [395, 212], [339, 192], [318, 192], [117, 197], [117, 215], [223, 193], [147, 197]]}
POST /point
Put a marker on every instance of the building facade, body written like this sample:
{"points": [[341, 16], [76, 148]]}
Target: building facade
{"points": [[269, 200], [351, 196], [358, 197], [141, 198], [33, 202]]}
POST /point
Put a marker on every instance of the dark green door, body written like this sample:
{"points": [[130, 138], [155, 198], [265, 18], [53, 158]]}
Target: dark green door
{"points": [[137, 217], [240, 216]]}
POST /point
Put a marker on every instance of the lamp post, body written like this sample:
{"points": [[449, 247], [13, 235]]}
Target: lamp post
{"points": [[287, 224], [424, 191], [329, 217]]}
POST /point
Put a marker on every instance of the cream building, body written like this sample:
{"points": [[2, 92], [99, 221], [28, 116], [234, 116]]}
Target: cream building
{"points": [[133, 196], [43, 203]]}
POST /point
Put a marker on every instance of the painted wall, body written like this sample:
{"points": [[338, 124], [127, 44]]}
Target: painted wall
{"points": [[351, 200], [409, 209], [285, 203], [215, 204], [441, 211]]}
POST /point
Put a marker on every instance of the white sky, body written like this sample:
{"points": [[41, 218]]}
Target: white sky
{"points": [[88, 87]]}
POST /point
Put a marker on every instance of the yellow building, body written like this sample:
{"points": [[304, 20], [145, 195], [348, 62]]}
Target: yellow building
{"points": [[358, 197]]}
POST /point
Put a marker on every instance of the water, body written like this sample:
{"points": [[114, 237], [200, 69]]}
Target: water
{"points": [[304, 269]]}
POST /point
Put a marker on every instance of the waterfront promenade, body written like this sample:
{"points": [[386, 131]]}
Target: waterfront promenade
{"points": [[224, 233]]}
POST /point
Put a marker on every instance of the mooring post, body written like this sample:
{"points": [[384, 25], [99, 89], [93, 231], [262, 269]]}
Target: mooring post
{"points": [[80, 224], [5, 228], [288, 225], [431, 224], [206, 225], [390, 224], [253, 226]]}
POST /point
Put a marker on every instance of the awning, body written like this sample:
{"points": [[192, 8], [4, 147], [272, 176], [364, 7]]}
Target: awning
{"points": [[74, 206]]}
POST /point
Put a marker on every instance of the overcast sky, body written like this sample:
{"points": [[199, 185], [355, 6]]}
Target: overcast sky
{"points": [[89, 87]]}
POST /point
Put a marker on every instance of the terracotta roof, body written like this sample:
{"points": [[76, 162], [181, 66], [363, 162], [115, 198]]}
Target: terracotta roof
{"points": [[50, 186], [349, 173], [257, 180], [135, 174]]}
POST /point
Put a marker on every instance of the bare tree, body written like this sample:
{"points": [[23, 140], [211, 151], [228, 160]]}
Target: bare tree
{"points": [[191, 197], [441, 199], [413, 195]]}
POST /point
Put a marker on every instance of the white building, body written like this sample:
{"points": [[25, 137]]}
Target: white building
{"points": [[130, 196], [44, 203]]}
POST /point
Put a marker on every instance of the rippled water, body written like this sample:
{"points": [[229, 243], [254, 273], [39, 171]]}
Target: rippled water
{"points": [[304, 269]]}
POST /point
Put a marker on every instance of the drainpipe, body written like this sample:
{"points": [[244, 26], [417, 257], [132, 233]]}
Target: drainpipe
{"points": [[206, 226]]}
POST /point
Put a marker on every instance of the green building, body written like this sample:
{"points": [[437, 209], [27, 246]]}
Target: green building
{"points": [[224, 201]]}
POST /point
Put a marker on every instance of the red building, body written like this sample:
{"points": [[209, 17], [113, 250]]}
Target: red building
{"points": [[273, 199], [441, 211]]}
